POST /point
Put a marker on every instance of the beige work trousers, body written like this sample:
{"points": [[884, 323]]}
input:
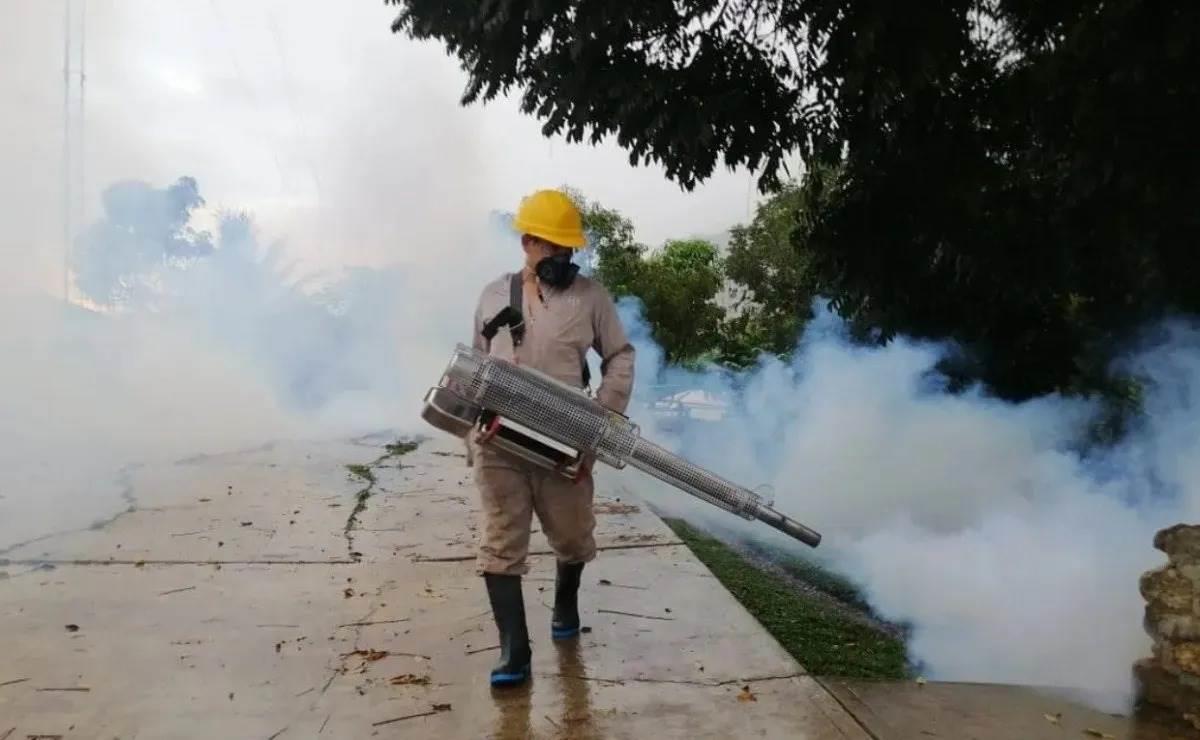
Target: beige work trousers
{"points": [[511, 491]]}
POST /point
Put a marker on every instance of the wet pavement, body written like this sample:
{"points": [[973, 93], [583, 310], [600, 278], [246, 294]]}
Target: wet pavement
{"points": [[978, 711], [275, 594]]}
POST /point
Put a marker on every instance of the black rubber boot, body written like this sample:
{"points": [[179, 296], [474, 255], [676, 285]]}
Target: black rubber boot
{"points": [[565, 623], [508, 607]]}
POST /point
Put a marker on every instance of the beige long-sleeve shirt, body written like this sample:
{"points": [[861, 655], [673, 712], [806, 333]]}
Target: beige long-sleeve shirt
{"points": [[561, 325]]}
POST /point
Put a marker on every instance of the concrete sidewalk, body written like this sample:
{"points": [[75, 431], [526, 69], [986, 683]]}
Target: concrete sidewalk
{"points": [[249, 596], [891, 710]]}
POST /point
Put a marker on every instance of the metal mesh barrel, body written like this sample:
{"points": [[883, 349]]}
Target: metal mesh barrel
{"points": [[542, 403], [672, 469]]}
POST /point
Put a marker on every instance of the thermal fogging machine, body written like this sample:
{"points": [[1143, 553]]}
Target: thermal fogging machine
{"points": [[551, 424]]}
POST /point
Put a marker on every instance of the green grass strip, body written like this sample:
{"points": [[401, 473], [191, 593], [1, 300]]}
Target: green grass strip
{"points": [[824, 641]]}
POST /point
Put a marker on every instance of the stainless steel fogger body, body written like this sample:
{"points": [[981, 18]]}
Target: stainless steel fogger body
{"points": [[551, 424]]}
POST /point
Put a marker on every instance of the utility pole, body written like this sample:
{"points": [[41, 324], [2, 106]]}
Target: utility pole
{"points": [[66, 156], [81, 151], [73, 161]]}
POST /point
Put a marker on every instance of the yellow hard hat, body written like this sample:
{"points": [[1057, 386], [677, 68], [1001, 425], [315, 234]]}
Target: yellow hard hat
{"points": [[550, 215]]}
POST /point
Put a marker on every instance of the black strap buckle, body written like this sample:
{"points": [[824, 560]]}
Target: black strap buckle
{"points": [[507, 316]]}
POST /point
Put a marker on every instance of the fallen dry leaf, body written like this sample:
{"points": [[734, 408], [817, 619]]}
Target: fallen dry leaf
{"points": [[639, 538], [409, 679], [441, 707], [607, 507], [746, 695], [370, 655], [1097, 733]]}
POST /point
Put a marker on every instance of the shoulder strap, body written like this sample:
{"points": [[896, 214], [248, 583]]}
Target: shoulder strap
{"points": [[509, 316], [515, 302]]}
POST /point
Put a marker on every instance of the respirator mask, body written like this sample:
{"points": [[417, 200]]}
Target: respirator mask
{"points": [[557, 271]]}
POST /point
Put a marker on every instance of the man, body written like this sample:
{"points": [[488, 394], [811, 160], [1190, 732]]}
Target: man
{"points": [[565, 315]]}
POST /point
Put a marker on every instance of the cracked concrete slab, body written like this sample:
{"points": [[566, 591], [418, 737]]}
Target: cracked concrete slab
{"points": [[226, 509], [225, 603]]}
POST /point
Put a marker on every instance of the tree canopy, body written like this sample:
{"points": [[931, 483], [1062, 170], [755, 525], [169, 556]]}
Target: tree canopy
{"points": [[1017, 176], [142, 228], [683, 279]]}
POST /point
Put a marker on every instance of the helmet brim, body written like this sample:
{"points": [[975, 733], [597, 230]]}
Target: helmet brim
{"points": [[568, 239]]}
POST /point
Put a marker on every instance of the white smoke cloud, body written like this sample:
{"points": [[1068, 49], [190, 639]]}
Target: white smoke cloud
{"points": [[83, 395], [211, 353], [368, 190], [1011, 548]]}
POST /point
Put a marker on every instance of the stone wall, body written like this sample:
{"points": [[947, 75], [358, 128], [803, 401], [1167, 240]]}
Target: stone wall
{"points": [[1171, 679]]}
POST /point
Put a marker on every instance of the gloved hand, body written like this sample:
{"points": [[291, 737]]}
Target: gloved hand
{"points": [[585, 467], [481, 436]]}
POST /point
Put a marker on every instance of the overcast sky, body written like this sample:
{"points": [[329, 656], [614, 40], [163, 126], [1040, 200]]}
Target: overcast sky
{"points": [[345, 141]]}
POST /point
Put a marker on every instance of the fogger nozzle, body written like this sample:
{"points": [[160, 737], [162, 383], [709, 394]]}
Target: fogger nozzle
{"points": [[788, 526], [477, 385]]}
